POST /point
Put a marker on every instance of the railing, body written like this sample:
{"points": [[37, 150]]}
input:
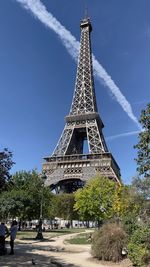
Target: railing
{"points": [[77, 157], [82, 157]]}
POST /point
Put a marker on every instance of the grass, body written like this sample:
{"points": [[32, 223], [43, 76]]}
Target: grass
{"points": [[26, 234], [80, 239], [29, 235], [68, 230]]}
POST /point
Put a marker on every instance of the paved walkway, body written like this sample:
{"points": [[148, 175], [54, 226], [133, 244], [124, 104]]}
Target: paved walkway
{"points": [[47, 253]]}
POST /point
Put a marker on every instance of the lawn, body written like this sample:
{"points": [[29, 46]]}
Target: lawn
{"points": [[80, 239], [29, 235]]}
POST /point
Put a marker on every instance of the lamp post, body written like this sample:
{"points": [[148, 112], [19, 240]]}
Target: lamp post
{"points": [[39, 233]]}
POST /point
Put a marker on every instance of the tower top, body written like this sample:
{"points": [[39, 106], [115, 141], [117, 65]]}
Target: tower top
{"points": [[86, 23], [84, 99]]}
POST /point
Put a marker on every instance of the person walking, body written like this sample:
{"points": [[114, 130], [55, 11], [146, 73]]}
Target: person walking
{"points": [[3, 234], [13, 232]]}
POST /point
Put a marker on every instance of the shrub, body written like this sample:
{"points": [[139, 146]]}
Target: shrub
{"points": [[139, 247], [129, 223], [108, 242], [146, 259]]}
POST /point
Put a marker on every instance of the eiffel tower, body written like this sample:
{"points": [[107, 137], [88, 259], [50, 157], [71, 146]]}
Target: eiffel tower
{"points": [[68, 168]]}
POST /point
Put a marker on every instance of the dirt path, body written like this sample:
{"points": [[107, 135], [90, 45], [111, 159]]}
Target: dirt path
{"points": [[46, 254]]}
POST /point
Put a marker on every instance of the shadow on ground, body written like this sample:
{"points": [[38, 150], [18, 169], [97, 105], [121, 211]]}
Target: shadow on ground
{"points": [[25, 255], [34, 239]]}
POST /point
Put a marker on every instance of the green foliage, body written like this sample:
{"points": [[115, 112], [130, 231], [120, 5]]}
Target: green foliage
{"points": [[129, 222], [95, 200], [136, 253], [139, 247], [124, 201], [63, 205], [23, 198], [143, 146], [142, 186], [108, 242], [5, 165], [12, 203], [127, 205]]}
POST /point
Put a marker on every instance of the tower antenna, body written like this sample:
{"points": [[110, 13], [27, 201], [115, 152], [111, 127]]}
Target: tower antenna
{"points": [[85, 10]]}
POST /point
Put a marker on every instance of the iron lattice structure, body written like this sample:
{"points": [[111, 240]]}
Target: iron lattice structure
{"points": [[68, 168]]}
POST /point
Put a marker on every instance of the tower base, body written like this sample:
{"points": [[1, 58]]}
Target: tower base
{"points": [[68, 173]]}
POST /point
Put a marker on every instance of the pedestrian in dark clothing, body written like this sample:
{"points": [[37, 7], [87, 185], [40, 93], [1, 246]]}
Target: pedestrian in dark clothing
{"points": [[13, 232], [3, 234]]}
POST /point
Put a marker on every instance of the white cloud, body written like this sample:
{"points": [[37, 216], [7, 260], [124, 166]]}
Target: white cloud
{"points": [[109, 138], [72, 45]]}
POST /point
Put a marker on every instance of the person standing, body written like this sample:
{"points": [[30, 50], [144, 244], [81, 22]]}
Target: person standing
{"points": [[3, 234], [13, 232]]}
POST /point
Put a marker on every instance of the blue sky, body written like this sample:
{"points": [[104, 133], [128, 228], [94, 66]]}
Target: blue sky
{"points": [[37, 76]]}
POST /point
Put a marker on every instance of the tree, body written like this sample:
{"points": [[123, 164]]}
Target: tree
{"points": [[142, 187], [12, 204], [125, 201], [142, 182], [64, 206], [95, 200], [5, 165], [24, 196], [127, 206], [143, 146]]}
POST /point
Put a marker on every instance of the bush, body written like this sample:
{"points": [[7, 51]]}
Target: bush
{"points": [[108, 242], [139, 247], [129, 223], [146, 259]]}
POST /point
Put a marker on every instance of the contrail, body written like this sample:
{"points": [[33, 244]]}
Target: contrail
{"points": [[72, 45], [109, 138]]}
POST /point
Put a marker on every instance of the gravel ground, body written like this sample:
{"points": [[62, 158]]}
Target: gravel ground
{"points": [[49, 253]]}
